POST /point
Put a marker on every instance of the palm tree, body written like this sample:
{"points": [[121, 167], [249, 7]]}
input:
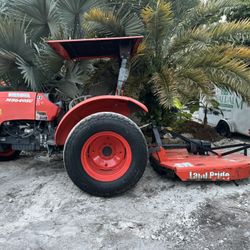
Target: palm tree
{"points": [[26, 62], [180, 58]]}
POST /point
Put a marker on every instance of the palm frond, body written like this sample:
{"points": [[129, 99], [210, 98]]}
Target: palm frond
{"points": [[140, 63], [3, 8], [8, 67], [240, 52], [31, 75], [41, 15], [13, 38], [102, 23], [180, 8], [195, 76], [48, 60], [71, 14], [235, 31], [7, 62], [112, 22], [17, 54], [201, 37], [73, 78], [157, 20], [204, 13], [77, 72], [191, 82], [226, 80], [188, 40], [234, 71], [164, 87], [68, 89]]}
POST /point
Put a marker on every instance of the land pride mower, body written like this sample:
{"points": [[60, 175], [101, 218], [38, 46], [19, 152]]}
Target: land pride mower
{"points": [[105, 153]]}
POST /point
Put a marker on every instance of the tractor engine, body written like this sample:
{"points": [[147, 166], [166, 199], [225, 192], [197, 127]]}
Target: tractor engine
{"points": [[27, 135]]}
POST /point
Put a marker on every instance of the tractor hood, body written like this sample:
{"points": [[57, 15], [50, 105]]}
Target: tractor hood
{"points": [[79, 49]]}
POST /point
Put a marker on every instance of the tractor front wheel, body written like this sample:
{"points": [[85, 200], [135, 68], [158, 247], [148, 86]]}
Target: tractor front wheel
{"points": [[105, 154], [9, 154]]}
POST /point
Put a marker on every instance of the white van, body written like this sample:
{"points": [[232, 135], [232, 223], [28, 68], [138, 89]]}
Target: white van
{"points": [[232, 115]]}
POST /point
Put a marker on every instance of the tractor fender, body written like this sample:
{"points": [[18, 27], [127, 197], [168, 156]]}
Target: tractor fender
{"points": [[106, 103]]}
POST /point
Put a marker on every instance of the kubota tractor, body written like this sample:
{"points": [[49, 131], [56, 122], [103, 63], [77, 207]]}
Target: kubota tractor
{"points": [[105, 153]]}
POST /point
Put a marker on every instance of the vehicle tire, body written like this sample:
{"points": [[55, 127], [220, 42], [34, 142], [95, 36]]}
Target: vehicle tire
{"points": [[105, 154], [9, 154], [223, 129]]}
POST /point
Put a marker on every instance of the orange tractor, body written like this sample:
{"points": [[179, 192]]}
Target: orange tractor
{"points": [[105, 152]]}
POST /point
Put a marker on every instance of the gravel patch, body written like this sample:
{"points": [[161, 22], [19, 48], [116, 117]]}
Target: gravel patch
{"points": [[42, 209]]}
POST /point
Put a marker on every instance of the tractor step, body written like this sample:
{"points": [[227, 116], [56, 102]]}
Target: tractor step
{"points": [[190, 167]]}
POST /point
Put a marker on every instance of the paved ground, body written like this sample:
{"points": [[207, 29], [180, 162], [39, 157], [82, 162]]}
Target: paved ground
{"points": [[41, 209]]}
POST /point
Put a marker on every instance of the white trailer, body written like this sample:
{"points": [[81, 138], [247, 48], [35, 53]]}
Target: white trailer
{"points": [[232, 115]]}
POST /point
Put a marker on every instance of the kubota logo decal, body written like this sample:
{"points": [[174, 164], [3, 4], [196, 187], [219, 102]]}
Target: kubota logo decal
{"points": [[14, 100]]}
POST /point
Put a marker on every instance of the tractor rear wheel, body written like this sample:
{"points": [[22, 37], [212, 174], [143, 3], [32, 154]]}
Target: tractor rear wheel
{"points": [[105, 154], [9, 154]]}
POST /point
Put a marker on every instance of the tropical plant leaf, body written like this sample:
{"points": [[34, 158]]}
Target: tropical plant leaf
{"points": [[232, 31], [226, 80], [31, 75], [158, 20], [7, 62], [77, 72], [3, 8], [180, 8], [213, 63], [188, 40], [15, 48], [67, 88], [48, 60], [239, 52], [206, 12], [164, 87], [73, 78], [13, 38], [71, 14], [41, 15], [8, 67], [113, 22]]}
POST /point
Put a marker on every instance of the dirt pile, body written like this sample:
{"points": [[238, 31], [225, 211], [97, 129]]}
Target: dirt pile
{"points": [[199, 131]]}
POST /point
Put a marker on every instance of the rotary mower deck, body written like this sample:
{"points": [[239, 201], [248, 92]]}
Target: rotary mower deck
{"points": [[197, 160], [105, 152]]}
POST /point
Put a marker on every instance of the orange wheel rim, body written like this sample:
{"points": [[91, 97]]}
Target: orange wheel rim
{"points": [[106, 156]]}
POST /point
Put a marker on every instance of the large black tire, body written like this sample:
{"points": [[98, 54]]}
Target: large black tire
{"points": [[95, 125], [9, 155], [223, 129]]}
